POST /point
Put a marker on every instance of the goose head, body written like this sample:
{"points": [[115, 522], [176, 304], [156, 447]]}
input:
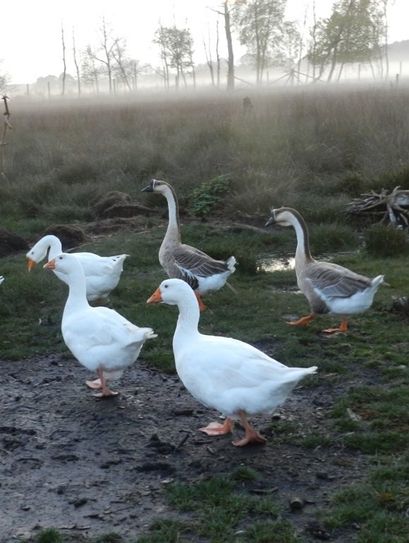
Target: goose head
{"points": [[171, 292], [156, 186], [63, 263], [283, 216], [38, 252]]}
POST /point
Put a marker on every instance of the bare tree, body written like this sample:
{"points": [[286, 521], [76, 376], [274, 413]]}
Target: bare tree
{"points": [[89, 69], [3, 81], [226, 14], [122, 63], [209, 60], [230, 59], [105, 53], [161, 40], [64, 72], [77, 68]]}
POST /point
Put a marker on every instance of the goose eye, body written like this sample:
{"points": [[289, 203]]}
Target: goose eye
{"points": [[166, 286], [60, 257]]}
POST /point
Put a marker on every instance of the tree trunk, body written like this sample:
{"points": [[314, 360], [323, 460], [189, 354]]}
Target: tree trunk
{"points": [[230, 60], [64, 73], [77, 68]]}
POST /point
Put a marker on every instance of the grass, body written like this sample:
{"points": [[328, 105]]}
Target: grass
{"points": [[311, 151]]}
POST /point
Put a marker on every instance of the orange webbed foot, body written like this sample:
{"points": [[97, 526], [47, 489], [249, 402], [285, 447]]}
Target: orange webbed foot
{"points": [[303, 321], [217, 429]]}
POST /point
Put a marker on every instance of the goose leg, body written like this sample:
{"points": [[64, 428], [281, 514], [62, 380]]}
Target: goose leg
{"points": [[250, 436], [105, 391], [202, 306], [343, 327], [303, 321], [217, 429]]}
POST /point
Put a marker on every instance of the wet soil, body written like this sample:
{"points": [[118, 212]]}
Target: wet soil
{"points": [[88, 466]]}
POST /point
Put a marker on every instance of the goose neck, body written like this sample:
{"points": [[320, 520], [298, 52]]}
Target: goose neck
{"points": [[303, 241], [173, 230], [77, 295], [188, 320], [53, 245]]}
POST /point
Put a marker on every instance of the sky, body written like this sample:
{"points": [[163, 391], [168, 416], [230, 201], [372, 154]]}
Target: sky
{"points": [[30, 30]]}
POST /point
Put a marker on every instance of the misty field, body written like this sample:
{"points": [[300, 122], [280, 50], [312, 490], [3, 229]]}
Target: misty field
{"points": [[336, 463]]}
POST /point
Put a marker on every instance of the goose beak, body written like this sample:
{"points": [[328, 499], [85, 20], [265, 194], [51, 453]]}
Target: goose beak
{"points": [[155, 298], [149, 188], [30, 264], [50, 265]]}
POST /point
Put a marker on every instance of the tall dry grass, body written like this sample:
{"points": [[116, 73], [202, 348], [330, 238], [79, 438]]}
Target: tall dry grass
{"points": [[309, 148]]}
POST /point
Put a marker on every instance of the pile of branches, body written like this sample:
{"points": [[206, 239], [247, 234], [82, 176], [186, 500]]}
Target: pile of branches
{"points": [[390, 207]]}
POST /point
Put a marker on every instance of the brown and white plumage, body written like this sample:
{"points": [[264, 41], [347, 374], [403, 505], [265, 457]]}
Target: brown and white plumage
{"points": [[202, 272], [329, 288]]}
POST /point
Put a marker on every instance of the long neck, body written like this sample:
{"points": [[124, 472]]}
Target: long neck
{"points": [[55, 246], [173, 230], [303, 241], [188, 320], [77, 296]]}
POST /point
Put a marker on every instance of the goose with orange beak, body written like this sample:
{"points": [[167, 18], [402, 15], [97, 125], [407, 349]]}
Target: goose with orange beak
{"points": [[202, 272], [102, 273], [223, 373], [100, 338], [328, 287]]}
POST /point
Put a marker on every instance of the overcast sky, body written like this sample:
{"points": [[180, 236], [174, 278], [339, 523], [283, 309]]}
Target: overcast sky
{"points": [[30, 35]]}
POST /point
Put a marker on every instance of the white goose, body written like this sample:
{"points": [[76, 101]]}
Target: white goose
{"points": [[202, 272], [328, 287], [99, 338], [224, 373], [102, 273], [1, 279]]}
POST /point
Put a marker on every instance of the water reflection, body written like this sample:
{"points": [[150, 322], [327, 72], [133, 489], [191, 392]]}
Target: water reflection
{"points": [[272, 264]]}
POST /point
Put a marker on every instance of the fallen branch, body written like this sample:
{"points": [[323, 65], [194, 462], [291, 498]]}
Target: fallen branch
{"points": [[393, 207]]}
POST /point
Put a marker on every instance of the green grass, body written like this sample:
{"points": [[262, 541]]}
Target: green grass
{"points": [[312, 151]]}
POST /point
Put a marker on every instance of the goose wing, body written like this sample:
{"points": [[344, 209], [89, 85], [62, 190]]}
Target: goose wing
{"points": [[192, 263], [335, 281]]}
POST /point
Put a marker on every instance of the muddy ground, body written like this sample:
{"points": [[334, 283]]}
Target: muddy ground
{"points": [[88, 466]]}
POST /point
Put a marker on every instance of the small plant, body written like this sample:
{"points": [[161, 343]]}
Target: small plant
{"points": [[50, 535], [382, 241], [208, 195]]}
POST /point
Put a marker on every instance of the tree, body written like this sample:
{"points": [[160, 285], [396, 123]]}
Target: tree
{"points": [[3, 81], [64, 63], [176, 51], [104, 55], [77, 68], [351, 34], [260, 24], [89, 69]]}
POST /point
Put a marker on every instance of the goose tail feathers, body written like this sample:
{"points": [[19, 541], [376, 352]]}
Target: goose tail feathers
{"points": [[377, 281], [231, 264], [148, 333]]}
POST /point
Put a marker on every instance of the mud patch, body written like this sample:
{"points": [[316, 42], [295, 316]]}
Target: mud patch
{"points": [[88, 466]]}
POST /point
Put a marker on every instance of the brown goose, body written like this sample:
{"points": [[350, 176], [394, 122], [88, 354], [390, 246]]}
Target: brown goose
{"points": [[329, 288], [202, 272]]}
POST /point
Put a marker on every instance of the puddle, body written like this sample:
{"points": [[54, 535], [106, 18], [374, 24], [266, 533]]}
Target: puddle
{"points": [[273, 264]]}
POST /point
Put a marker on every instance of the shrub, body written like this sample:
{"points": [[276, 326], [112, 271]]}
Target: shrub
{"points": [[208, 195], [384, 241]]}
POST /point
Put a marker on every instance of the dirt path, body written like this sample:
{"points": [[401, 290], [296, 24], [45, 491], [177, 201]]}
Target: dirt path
{"points": [[88, 466]]}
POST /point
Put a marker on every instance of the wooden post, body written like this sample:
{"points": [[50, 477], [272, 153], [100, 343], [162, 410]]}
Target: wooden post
{"points": [[7, 126]]}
